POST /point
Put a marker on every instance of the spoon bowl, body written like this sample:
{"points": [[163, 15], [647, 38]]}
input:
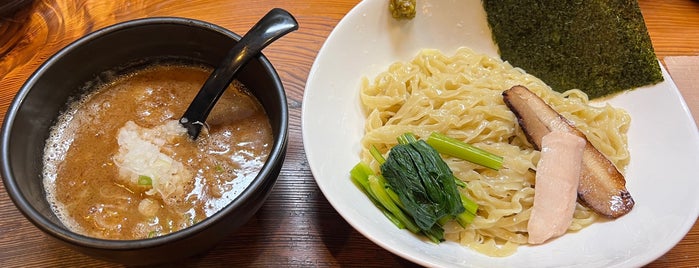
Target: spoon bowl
{"points": [[275, 24]]}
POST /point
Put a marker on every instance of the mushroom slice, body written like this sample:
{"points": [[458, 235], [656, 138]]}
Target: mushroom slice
{"points": [[602, 187]]}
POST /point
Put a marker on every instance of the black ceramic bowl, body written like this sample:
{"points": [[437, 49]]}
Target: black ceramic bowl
{"points": [[117, 49]]}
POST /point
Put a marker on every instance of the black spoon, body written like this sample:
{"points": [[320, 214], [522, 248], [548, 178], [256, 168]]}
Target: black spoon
{"points": [[273, 25]]}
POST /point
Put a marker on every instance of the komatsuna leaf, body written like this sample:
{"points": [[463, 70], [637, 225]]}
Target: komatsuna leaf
{"points": [[423, 181]]}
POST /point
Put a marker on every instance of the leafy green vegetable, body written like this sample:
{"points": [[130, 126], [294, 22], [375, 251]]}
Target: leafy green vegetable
{"points": [[465, 151], [402, 9], [600, 47], [423, 195], [423, 181]]}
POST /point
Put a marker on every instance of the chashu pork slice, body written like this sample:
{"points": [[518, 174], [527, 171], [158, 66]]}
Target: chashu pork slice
{"points": [[602, 187], [557, 179]]}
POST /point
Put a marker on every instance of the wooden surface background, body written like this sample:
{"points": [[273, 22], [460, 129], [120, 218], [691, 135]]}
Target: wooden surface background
{"points": [[296, 226]]}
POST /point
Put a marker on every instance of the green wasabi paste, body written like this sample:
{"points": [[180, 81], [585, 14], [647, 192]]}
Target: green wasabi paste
{"points": [[598, 46], [402, 9]]}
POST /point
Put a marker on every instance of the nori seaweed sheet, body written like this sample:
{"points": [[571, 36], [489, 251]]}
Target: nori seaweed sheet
{"points": [[598, 46]]}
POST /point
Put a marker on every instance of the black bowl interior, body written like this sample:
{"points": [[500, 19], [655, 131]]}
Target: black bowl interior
{"points": [[95, 59]]}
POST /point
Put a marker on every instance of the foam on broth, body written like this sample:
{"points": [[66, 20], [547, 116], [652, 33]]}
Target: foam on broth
{"points": [[84, 173]]}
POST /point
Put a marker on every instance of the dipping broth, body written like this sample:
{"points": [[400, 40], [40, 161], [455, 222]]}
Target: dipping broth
{"points": [[118, 165]]}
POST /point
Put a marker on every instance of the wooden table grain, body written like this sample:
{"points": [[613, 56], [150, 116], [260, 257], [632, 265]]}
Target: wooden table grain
{"points": [[296, 226]]}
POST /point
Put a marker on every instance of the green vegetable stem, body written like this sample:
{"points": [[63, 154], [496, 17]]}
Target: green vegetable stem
{"points": [[364, 177], [465, 151]]}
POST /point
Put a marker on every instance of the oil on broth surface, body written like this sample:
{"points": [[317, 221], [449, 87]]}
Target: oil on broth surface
{"points": [[84, 173]]}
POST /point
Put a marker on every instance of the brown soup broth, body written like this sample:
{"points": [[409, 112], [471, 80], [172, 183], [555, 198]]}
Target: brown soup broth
{"points": [[84, 175]]}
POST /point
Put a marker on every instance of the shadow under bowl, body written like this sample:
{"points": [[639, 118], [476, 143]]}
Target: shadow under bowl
{"points": [[95, 58]]}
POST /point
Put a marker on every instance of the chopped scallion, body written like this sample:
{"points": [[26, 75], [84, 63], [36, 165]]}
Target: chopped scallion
{"points": [[219, 169], [145, 180]]}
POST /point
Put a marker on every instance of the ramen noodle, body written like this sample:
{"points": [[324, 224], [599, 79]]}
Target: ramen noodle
{"points": [[461, 96]]}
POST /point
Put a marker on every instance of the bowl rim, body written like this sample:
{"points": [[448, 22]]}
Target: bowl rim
{"points": [[61, 232]]}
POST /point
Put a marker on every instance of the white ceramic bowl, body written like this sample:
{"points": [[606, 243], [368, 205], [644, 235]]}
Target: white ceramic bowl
{"points": [[663, 142]]}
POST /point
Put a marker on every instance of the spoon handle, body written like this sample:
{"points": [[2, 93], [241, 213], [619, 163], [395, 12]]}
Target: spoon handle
{"points": [[275, 24]]}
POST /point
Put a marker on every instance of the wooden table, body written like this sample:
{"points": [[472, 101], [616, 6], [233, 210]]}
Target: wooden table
{"points": [[296, 226]]}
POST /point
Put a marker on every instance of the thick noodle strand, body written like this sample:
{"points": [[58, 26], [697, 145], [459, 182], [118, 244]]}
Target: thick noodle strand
{"points": [[461, 96]]}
